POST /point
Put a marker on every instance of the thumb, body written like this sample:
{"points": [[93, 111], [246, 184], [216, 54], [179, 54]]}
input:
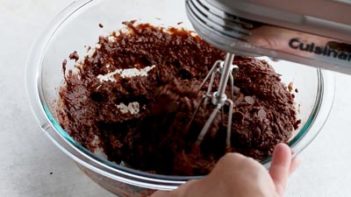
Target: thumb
{"points": [[280, 167]]}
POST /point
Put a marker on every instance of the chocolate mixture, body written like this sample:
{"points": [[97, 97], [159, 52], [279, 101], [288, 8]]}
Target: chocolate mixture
{"points": [[142, 119]]}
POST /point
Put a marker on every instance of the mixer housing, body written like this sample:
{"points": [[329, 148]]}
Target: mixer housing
{"points": [[316, 33]]}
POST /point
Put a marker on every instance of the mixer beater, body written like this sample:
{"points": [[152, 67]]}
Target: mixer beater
{"points": [[225, 70]]}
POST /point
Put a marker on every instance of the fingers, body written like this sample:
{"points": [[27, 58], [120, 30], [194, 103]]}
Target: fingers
{"points": [[280, 166], [231, 158], [283, 164]]}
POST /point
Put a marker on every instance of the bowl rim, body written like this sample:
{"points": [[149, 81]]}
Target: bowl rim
{"points": [[117, 172]]}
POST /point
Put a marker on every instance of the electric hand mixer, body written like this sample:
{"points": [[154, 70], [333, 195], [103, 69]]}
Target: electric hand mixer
{"points": [[316, 33]]}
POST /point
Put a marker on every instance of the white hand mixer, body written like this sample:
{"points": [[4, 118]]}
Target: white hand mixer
{"points": [[315, 33]]}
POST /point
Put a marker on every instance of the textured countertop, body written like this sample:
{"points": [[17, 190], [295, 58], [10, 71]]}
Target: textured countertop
{"points": [[32, 166]]}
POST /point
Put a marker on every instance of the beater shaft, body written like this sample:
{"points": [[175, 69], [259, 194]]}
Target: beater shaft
{"points": [[226, 71]]}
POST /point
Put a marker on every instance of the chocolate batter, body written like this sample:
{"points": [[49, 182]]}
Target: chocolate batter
{"points": [[143, 119]]}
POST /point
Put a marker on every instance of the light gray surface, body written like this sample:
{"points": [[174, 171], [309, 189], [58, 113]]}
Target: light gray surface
{"points": [[28, 157]]}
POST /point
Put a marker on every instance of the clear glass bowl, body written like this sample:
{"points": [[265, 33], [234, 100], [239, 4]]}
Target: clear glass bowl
{"points": [[78, 26]]}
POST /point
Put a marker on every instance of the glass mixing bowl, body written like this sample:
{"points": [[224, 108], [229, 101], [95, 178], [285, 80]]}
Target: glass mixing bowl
{"points": [[78, 26]]}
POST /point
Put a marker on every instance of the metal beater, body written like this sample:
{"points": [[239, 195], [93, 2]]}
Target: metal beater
{"points": [[315, 33], [218, 98]]}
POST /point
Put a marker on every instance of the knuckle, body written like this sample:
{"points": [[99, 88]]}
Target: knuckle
{"points": [[232, 157]]}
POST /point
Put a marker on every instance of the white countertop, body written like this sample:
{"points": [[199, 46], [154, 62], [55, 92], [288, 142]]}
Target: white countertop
{"points": [[28, 157]]}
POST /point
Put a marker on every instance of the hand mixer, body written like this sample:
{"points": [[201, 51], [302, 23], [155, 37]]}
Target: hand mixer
{"points": [[315, 33]]}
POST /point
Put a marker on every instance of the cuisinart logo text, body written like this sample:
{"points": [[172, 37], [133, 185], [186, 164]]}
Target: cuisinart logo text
{"points": [[297, 44]]}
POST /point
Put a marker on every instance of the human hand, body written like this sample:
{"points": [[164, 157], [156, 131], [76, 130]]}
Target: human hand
{"points": [[240, 176]]}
